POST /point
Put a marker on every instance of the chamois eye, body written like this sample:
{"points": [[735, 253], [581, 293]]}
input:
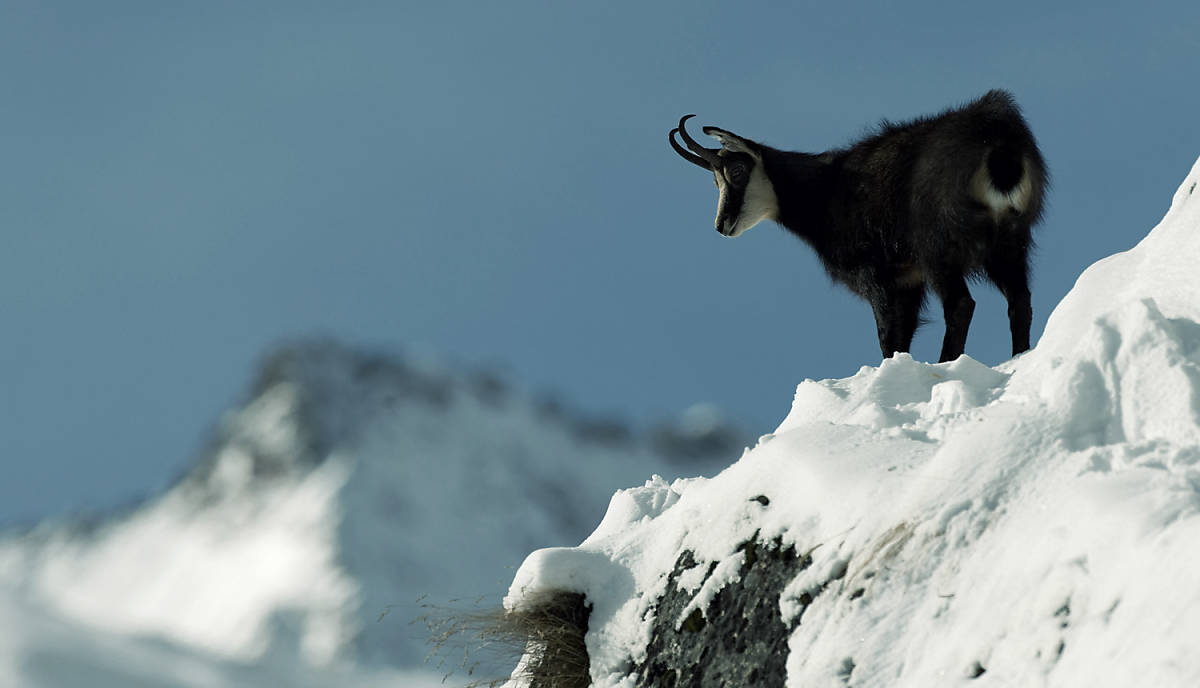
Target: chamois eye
{"points": [[737, 173]]}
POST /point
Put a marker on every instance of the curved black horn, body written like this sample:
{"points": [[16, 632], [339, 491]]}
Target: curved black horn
{"points": [[708, 155], [690, 157]]}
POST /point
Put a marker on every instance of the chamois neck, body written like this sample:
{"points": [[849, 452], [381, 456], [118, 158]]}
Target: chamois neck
{"points": [[802, 184]]}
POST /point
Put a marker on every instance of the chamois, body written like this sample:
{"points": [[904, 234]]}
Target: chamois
{"points": [[927, 203]]}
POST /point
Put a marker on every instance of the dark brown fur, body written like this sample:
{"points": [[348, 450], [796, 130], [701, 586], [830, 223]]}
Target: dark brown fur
{"points": [[895, 214]]}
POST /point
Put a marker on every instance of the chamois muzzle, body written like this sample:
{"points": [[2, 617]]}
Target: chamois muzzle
{"points": [[704, 157]]}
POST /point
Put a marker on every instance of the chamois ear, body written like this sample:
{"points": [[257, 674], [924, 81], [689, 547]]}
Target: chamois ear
{"points": [[731, 141]]}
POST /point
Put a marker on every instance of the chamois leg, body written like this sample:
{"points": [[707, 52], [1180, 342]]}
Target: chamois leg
{"points": [[883, 327], [910, 302], [896, 319], [1009, 270], [957, 307]]}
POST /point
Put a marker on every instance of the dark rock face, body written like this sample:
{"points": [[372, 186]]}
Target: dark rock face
{"points": [[739, 640]]}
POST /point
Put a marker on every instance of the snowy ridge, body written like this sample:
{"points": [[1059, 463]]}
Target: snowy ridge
{"points": [[1032, 524], [348, 487]]}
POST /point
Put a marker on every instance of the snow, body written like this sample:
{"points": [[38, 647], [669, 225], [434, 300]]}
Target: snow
{"points": [[1037, 521], [214, 582]]}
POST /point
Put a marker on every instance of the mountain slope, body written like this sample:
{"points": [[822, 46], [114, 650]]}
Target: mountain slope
{"points": [[918, 524], [349, 487]]}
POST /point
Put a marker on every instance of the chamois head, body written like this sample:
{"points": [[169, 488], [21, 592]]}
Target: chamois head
{"points": [[746, 194]]}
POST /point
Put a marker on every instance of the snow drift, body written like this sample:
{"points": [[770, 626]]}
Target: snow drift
{"points": [[1032, 524]]}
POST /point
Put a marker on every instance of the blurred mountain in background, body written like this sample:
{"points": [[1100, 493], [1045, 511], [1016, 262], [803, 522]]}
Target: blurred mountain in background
{"points": [[349, 490]]}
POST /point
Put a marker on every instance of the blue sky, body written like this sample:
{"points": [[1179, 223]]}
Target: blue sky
{"points": [[184, 187]]}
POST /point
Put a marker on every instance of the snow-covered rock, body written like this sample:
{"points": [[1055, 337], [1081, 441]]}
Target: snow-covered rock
{"points": [[937, 524]]}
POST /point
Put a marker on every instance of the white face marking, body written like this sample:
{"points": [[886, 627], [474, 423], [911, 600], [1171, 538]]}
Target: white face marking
{"points": [[720, 200], [758, 202]]}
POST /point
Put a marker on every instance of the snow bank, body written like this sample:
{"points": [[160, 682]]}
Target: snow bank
{"points": [[1032, 524]]}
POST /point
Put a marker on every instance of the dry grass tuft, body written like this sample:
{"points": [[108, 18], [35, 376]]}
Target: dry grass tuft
{"points": [[544, 640]]}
